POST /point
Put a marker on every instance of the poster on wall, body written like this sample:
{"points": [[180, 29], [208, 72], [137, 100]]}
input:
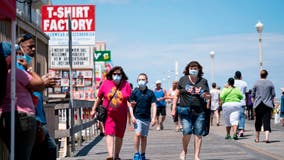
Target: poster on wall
{"points": [[81, 57]]}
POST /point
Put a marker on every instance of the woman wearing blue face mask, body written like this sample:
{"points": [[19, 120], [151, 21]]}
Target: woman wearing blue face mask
{"points": [[114, 92], [192, 93]]}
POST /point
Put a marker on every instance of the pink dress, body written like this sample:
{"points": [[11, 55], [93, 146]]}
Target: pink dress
{"points": [[117, 109], [24, 102]]}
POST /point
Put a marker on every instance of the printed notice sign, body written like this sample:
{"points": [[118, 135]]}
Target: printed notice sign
{"points": [[81, 57]]}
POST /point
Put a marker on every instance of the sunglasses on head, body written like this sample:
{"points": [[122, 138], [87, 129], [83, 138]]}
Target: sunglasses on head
{"points": [[26, 37]]}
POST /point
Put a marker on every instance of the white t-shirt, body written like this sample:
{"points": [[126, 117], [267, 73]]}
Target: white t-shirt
{"points": [[215, 98], [242, 85]]}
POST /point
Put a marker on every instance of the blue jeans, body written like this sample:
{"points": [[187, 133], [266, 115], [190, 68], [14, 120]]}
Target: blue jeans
{"points": [[25, 131], [45, 150], [242, 119], [192, 122]]}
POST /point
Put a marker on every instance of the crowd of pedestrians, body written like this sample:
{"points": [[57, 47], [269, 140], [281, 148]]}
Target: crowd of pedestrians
{"points": [[189, 97]]}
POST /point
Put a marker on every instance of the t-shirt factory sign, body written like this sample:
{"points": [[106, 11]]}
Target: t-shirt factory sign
{"points": [[81, 57], [55, 24]]}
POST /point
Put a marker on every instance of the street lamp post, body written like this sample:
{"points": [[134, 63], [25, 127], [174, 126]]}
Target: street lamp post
{"points": [[212, 55], [259, 28]]}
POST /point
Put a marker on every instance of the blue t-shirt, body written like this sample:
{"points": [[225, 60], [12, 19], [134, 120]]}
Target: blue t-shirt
{"points": [[40, 114], [160, 93], [143, 99]]}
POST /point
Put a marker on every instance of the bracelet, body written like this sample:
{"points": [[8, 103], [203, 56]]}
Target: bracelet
{"points": [[30, 69]]}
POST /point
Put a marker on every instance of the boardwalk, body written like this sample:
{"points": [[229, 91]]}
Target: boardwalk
{"points": [[166, 144]]}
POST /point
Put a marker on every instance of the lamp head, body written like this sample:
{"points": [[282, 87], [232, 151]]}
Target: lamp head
{"points": [[259, 27]]}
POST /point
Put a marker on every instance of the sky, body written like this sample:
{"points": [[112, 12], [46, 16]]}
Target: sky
{"points": [[150, 36]]}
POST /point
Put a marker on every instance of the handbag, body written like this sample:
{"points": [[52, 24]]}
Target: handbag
{"points": [[102, 111]]}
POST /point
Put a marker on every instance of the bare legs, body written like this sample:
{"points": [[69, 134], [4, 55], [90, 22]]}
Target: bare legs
{"points": [[137, 139], [228, 129], [160, 123], [197, 146], [110, 140]]}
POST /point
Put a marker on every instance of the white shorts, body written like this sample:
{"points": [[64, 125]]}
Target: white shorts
{"points": [[231, 111]]}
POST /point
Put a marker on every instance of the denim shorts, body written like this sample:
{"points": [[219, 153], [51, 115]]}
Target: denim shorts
{"points": [[142, 127], [193, 123]]}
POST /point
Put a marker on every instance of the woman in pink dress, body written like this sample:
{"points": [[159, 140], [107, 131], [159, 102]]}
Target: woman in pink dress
{"points": [[115, 92]]}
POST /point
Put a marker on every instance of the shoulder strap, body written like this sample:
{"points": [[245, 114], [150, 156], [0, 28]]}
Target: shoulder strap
{"points": [[113, 94]]}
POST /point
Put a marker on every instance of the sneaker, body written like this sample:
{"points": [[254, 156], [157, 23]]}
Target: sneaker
{"points": [[235, 137], [162, 127], [142, 156], [182, 157], [228, 137], [158, 127], [136, 156]]}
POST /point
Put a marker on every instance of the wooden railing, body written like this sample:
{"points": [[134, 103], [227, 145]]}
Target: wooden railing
{"points": [[70, 125]]}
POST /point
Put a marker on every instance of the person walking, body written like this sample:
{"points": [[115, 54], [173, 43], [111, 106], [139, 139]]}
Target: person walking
{"points": [[242, 85], [215, 104], [231, 97], [171, 94], [282, 107], [249, 105], [263, 94], [161, 96], [192, 92], [142, 100], [115, 92]]}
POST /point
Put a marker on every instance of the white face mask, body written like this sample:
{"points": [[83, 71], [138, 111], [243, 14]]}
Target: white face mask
{"points": [[116, 78], [142, 84], [193, 72]]}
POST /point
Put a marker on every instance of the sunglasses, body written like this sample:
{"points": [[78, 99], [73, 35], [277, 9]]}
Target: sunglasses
{"points": [[26, 37], [116, 74]]}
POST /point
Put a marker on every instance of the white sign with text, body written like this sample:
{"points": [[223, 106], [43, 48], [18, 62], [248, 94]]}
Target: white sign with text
{"points": [[81, 57]]}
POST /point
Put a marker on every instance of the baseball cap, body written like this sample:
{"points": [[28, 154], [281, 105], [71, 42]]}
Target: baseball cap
{"points": [[158, 82]]}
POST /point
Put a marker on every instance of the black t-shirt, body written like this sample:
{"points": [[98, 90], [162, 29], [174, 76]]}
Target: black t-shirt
{"points": [[194, 101], [143, 99]]}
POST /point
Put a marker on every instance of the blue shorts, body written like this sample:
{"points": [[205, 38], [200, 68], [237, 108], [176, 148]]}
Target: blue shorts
{"points": [[193, 123], [142, 127]]}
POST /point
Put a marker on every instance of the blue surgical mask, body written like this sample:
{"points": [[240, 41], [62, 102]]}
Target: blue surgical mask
{"points": [[116, 78], [193, 72], [142, 84], [18, 65], [28, 59]]}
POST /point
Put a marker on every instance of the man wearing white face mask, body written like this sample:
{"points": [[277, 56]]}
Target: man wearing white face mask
{"points": [[142, 100]]}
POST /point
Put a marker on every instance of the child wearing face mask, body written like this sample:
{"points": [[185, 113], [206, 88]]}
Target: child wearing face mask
{"points": [[142, 100]]}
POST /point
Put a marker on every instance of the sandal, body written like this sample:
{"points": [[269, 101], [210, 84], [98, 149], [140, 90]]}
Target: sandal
{"points": [[256, 141], [266, 141]]}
